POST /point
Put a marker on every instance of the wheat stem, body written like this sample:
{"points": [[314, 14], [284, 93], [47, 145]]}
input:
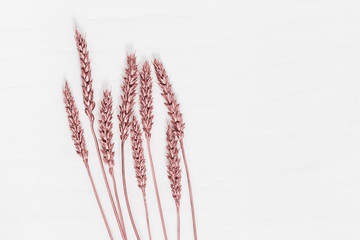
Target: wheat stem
{"points": [[125, 191], [147, 214], [105, 179], [98, 201], [190, 189], [118, 203], [156, 188], [178, 221]]}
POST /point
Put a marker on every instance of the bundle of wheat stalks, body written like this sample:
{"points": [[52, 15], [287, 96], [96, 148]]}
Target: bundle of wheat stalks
{"points": [[129, 123]]}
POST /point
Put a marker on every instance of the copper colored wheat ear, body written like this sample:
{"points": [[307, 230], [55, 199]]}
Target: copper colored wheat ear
{"points": [[85, 74], [146, 99], [174, 171], [128, 96], [106, 129], [173, 165], [74, 124], [170, 100]]}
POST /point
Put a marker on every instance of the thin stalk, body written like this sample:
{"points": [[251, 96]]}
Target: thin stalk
{"points": [[156, 188], [190, 190], [178, 222], [147, 214], [118, 203], [98, 201], [125, 191], [105, 179]]}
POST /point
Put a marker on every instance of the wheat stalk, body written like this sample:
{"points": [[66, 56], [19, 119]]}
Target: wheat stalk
{"points": [[139, 163], [89, 107], [107, 145], [146, 107], [174, 171], [126, 111], [177, 123], [79, 142]]}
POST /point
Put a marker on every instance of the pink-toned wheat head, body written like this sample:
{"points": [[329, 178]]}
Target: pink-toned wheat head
{"points": [[170, 100], [88, 97], [138, 153], [128, 96], [146, 99], [173, 165], [106, 133], [74, 124]]}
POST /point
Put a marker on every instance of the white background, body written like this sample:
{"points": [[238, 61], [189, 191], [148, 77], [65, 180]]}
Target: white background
{"points": [[269, 90]]}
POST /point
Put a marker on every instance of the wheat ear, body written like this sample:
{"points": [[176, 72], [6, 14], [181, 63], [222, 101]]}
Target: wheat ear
{"points": [[174, 171], [79, 142], [107, 145], [177, 123], [139, 163], [85, 75], [126, 111], [146, 107], [89, 107]]}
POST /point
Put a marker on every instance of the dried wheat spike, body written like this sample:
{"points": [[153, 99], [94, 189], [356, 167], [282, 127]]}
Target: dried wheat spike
{"points": [[173, 166], [106, 129], [128, 96], [74, 123], [170, 100], [146, 100], [85, 74], [138, 154]]}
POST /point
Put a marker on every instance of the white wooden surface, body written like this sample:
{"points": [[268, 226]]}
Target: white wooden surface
{"points": [[270, 92]]}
